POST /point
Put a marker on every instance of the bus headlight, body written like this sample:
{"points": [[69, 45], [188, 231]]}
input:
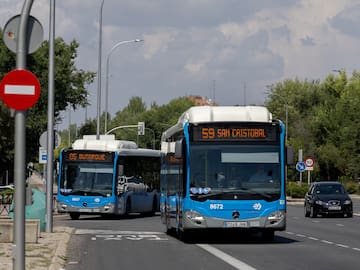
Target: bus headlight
{"points": [[276, 217], [108, 207], [63, 206], [194, 217]]}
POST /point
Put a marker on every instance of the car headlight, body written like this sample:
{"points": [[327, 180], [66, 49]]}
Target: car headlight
{"points": [[347, 202], [319, 202]]}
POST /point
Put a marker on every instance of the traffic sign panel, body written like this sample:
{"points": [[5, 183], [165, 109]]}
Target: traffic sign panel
{"points": [[309, 162], [20, 89], [300, 166]]}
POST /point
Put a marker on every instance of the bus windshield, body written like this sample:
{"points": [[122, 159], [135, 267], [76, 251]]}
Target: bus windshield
{"points": [[87, 179], [220, 171]]}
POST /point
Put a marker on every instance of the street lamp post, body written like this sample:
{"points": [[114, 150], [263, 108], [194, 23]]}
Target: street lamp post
{"points": [[286, 115], [107, 75], [99, 74]]}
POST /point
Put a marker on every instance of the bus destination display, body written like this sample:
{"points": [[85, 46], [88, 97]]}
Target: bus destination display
{"points": [[88, 156], [234, 133]]}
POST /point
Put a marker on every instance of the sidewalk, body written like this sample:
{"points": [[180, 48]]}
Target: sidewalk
{"points": [[50, 251], [48, 254]]}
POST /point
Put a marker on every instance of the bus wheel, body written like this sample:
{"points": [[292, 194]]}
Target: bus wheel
{"points": [[74, 216], [128, 207], [154, 207], [184, 235], [268, 236]]}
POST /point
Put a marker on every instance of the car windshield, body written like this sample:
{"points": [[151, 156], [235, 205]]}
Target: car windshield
{"points": [[329, 189]]}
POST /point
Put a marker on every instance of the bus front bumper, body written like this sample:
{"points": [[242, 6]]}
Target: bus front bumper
{"points": [[65, 208], [194, 220]]}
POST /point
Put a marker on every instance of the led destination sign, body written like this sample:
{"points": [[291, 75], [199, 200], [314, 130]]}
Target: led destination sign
{"points": [[234, 133], [88, 156]]}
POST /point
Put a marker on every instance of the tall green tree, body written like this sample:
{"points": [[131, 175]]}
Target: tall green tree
{"points": [[70, 90]]}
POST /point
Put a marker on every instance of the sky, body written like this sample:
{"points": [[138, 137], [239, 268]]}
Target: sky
{"points": [[226, 50]]}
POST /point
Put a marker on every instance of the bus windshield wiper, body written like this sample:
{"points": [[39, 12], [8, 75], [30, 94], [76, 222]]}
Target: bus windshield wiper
{"points": [[235, 191], [87, 193]]}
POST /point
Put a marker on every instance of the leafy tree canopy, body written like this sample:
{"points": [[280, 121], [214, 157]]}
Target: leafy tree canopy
{"points": [[70, 90]]}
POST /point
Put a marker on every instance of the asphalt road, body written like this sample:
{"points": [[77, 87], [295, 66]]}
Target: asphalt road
{"points": [[140, 243]]}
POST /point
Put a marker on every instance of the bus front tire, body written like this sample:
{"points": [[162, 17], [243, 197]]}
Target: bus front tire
{"points": [[268, 236], [74, 216]]}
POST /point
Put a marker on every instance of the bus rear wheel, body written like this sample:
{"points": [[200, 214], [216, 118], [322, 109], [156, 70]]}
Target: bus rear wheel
{"points": [[74, 216], [128, 207]]}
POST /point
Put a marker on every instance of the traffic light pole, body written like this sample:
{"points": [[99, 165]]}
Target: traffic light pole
{"points": [[19, 160]]}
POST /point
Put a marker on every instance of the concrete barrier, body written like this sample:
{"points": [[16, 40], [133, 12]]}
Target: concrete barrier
{"points": [[32, 230]]}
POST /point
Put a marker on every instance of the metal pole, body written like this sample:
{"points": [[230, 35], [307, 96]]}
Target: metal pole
{"points": [[20, 144], [107, 76], [286, 115], [50, 127], [99, 74]]}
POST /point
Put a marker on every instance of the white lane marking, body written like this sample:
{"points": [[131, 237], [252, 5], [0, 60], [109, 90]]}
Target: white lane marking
{"points": [[123, 235], [327, 242], [226, 257], [322, 241], [340, 225], [86, 231], [341, 245]]}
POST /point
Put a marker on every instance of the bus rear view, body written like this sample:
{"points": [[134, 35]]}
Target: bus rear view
{"points": [[224, 168]]}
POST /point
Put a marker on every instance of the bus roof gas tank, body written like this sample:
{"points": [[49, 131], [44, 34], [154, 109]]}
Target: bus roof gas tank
{"points": [[200, 114], [106, 143]]}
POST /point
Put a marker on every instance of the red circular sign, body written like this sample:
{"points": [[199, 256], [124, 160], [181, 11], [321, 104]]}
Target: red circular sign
{"points": [[20, 89], [309, 162]]}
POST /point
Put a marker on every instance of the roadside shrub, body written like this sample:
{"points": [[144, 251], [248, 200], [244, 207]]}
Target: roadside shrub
{"points": [[294, 190], [352, 187]]}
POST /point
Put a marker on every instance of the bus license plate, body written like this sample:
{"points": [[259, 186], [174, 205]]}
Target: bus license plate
{"points": [[235, 224]]}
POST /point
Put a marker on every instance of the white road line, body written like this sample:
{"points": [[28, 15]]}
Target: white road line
{"points": [[226, 257], [327, 242], [341, 245], [323, 241]]}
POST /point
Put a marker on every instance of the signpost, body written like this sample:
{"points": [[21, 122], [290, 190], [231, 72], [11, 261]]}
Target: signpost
{"points": [[20, 97], [309, 162]]}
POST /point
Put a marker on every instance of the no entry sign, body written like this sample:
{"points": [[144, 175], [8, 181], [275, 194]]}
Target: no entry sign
{"points": [[20, 89]]}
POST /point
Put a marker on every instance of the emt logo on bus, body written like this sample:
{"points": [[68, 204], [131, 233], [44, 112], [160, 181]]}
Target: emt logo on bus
{"points": [[234, 133]]}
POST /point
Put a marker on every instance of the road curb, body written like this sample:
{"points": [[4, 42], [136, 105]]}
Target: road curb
{"points": [[60, 256]]}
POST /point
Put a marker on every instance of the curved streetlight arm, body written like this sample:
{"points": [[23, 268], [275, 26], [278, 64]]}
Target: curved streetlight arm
{"points": [[107, 75]]}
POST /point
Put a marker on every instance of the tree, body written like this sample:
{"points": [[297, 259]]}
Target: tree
{"points": [[70, 90]]}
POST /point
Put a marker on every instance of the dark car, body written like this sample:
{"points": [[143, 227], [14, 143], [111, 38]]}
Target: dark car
{"points": [[327, 197]]}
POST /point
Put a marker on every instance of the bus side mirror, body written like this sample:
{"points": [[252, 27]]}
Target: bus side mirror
{"points": [[178, 149], [289, 155]]}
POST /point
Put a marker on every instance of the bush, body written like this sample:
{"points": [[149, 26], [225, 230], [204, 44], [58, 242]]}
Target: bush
{"points": [[295, 191], [352, 187]]}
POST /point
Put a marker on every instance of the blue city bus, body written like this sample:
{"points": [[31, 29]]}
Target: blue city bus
{"points": [[210, 163], [108, 177]]}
